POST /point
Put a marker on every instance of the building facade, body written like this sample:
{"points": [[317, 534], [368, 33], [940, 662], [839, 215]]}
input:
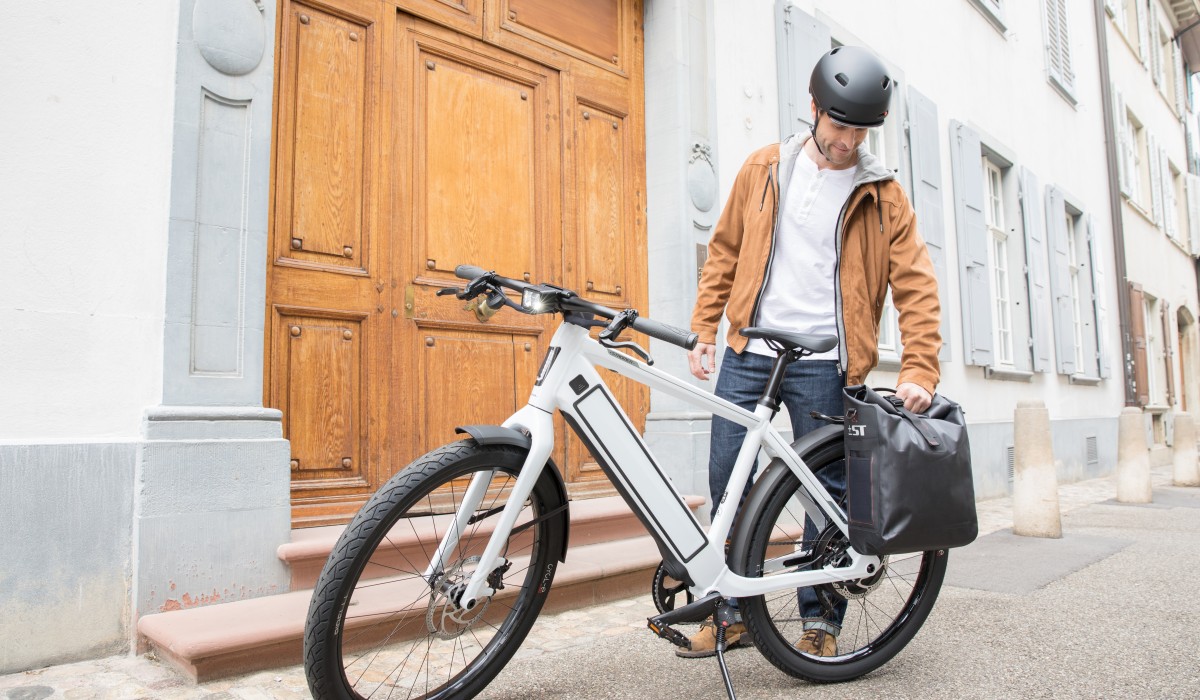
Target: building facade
{"points": [[226, 221]]}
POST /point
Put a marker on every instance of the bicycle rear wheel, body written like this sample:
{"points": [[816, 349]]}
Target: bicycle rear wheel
{"points": [[883, 610], [377, 627]]}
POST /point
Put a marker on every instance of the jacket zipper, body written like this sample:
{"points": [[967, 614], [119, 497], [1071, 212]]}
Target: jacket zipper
{"points": [[771, 179]]}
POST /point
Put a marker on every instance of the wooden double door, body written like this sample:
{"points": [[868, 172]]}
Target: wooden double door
{"points": [[413, 136]]}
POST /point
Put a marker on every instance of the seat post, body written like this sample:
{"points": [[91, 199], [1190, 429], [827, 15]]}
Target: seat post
{"points": [[770, 395]]}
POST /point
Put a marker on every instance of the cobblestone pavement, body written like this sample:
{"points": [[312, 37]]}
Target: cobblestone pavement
{"points": [[126, 677]]}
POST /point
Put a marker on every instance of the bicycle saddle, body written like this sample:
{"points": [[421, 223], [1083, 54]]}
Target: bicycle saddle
{"points": [[790, 341]]}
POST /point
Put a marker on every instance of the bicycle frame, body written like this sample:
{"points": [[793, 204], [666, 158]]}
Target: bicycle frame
{"points": [[568, 382]]}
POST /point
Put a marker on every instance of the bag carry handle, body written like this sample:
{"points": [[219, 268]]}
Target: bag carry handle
{"points": [[917, 421]]}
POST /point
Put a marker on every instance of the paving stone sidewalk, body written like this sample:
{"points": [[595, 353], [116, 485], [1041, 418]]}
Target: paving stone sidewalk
{"points": [[127, 677]]}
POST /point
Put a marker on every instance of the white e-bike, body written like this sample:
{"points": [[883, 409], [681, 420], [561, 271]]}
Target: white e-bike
{"points": [[437, 580]]}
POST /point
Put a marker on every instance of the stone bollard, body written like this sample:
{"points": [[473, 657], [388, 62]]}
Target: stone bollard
{"points": [[1186, 471], [1035, 481], [1133, 458]]}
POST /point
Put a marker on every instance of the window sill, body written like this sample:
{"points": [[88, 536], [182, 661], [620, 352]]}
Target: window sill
{"points": [[1007, 374], [1157, 409], [1140, 210], [1063, 91], [1084, 380], [992, 16]]}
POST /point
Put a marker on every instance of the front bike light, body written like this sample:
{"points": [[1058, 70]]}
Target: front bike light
{"points": [[534, 302]]}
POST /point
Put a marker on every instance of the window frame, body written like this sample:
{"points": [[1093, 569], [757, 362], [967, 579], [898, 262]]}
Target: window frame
{"points": [[999, 277]]}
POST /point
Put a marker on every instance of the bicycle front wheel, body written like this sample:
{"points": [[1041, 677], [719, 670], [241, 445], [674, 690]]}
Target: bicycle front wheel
{"points": [[882, 611], [384, 623]]}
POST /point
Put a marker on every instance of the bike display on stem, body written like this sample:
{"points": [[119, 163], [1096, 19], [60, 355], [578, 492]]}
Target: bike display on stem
{"points": [[434, 584]]}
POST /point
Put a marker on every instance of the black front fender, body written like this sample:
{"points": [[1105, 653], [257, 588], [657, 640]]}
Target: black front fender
{"points": [[550, 484]]}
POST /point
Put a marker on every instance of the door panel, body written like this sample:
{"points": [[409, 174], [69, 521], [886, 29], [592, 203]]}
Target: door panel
{"points": [[322, 359], [413, 136], [477, 139], [321, 185]]}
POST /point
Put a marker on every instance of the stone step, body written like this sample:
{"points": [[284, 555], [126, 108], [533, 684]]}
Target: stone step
{"points": [[610, 558], [592, 521]]}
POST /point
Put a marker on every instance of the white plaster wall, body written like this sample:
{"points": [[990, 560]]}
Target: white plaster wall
{"points": [[950, 52], [84, 184], [1161, 265]]}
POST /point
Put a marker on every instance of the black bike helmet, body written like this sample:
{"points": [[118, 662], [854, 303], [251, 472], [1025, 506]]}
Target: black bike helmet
{"points": [[851, 84]]}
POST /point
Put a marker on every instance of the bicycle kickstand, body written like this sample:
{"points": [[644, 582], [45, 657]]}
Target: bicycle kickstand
{"points": [[724, 617]]}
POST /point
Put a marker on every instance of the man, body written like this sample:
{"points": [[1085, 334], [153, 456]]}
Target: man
{"points": [[814, 232]]}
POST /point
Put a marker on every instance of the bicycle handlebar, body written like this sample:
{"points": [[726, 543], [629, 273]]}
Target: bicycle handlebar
{"points": [[655, 329]]}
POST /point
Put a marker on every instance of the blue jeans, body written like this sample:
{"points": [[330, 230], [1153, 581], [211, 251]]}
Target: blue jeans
{"points": [[808, 385]]}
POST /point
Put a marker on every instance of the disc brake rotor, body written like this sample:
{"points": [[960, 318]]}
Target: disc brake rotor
{"points": [[445, 619]]}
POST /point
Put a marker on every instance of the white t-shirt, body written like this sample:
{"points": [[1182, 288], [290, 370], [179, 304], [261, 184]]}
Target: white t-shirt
{"points": [[799, 294]]}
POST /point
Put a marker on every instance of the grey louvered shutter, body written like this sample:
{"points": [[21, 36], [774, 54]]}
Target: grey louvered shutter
{"points": [[1099, 305], [1155, 181], [967, 170], [1035, 271], [800, 40], [1170, 225], [1120, 120], [1181, 88], [1058, 44], [1143, 33], [1060, 281], [927, 197], [1193, 202]]}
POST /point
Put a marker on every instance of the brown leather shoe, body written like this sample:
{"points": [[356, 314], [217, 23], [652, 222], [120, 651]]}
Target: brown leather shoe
{"points": [[704, 642], [818, 643]]}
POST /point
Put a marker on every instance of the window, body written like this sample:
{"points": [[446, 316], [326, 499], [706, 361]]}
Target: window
{"points": [[1154, 351], [1172, 187], [1000, 224], [1058, 48], [1073, 268], [1119, 9], [998, 263], [889, 336], [1076, 290]]}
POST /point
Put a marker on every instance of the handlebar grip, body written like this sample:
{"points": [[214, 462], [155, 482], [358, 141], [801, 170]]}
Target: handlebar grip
{"points": [[667, 334], [469, 272]]}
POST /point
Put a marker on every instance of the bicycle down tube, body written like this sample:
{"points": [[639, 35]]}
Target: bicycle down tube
{"points": [[569, 382]]}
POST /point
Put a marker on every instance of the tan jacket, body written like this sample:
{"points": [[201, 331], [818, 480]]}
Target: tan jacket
{"points": [[879, 245]]}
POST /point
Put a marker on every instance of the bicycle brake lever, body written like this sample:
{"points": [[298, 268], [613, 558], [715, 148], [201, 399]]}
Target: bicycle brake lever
{"points": [[447, 290], [628, 346]]}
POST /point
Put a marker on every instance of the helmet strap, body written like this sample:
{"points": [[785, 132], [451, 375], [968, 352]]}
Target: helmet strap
{"points": [[816, 141]]}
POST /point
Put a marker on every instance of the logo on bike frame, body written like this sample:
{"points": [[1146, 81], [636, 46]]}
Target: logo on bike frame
{"points": [[856, 430]]}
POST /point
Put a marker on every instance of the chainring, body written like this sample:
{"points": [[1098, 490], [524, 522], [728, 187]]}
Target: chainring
{"points": [[665, 590]]}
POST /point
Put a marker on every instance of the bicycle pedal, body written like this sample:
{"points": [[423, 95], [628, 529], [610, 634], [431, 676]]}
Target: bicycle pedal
{"points": [[670, 634]]}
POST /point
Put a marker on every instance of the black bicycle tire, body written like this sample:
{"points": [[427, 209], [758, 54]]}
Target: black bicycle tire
{"points": [[322, 639], [779, 650]]}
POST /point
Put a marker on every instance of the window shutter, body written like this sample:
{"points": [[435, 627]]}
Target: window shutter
{"points": [[967, 170], [1089, 352], [1143, 33], [1170, 215], [1058, 44], [1155, 180], [1035, 270], [1193, 202], [1168, 350], [1060, 281], [927, 197], [1053, 40], [800, 40], [1137, 329], [1099, 305], [1181, 90], [1155, 45], [1120, 122]]}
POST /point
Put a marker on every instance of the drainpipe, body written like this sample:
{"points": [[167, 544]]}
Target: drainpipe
{"points": [[1114, 203]]}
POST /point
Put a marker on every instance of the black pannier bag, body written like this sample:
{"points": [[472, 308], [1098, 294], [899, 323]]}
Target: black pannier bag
{"points": [[909, 485]]}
